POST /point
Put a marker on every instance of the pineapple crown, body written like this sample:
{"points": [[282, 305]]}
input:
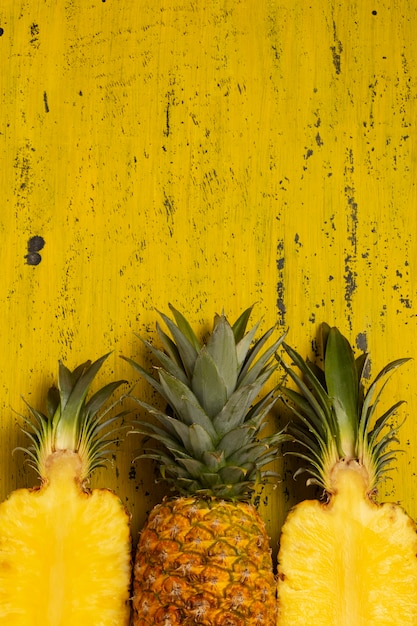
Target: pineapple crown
{"points": [[337, 418], [72, 423], [210, 434]]}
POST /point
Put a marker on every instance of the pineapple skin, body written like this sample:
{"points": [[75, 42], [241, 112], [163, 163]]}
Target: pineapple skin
{"points": [[348, 562], [204, 561], [65, 553]]}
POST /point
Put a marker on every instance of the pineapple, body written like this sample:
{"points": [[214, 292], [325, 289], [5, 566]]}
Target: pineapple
{"points": [[347, 560], [64, 550], [204, 556]]}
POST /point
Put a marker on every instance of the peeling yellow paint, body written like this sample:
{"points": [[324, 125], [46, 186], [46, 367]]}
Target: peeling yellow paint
{"points": [[212, 155]]}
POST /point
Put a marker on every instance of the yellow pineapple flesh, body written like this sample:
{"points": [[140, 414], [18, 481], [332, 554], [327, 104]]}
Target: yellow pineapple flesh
{"points": [[208, 562], [64, 553]]}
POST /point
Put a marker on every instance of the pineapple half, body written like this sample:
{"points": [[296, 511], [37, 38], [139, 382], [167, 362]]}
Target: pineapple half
{"points": [[345, 561], [204, 557], [64, 550]]}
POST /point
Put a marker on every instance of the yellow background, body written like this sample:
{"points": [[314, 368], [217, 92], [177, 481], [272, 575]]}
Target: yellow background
{"points": [[211, 154]]}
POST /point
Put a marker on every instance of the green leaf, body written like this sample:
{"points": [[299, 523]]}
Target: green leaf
{"points": [[311, 389], [234, 440], [52, 401], [239, 327], [194, 467], [150, 379], [66, 382], [200, 441], [343, 388], [188, 351], [246, 376], [168, 363], [170, 440], [235, 410], [230, 474], [67, 424], [243, 346], [208, 385], [102, 396], [222, 348], [184, 402], [185, 328], [213, 459], [170, 347]]}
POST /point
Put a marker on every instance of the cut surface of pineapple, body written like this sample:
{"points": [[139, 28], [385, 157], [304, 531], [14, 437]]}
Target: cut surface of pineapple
{"points": [[346, 560], [65, 550], [350, 562], [64, 554]]}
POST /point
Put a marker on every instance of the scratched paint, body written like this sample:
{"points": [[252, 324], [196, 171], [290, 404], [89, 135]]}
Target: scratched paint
{"points": [[212, 155]]}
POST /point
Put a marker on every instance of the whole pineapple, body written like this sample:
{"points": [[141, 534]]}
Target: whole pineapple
{"points": [[346, 560], [204, 556], [65, 550]]}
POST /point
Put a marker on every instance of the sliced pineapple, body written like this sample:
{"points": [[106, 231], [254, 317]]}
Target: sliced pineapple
{"points": [[346, 560], [65, 550]]}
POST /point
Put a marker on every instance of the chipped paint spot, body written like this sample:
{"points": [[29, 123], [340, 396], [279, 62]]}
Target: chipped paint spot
{"points": [[350, 280], [35, 245], [280, 284], [34, 34], [336, 50], [362, 342]]}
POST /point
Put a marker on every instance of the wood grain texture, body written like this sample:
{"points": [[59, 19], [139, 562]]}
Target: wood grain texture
{"points": [[212, 155]]}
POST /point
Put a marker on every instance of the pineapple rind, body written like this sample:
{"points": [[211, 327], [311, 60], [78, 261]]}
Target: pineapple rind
{"points": [[204, 561]]}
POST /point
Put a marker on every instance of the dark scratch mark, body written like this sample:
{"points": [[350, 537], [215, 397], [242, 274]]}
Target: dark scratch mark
{"points": [[167, 129], [280, 284], [336, 51], [406, 302], [34, 33], [45, 101], [350, 280], [350, 275], [170, 210], [354, 221], [319, 140]]}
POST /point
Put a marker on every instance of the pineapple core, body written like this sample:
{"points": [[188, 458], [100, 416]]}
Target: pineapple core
{"points": [[64, 552], [350, 562]]}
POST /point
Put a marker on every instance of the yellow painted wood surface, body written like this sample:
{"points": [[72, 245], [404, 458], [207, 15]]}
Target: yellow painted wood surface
{"points": [[212, 154]]}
